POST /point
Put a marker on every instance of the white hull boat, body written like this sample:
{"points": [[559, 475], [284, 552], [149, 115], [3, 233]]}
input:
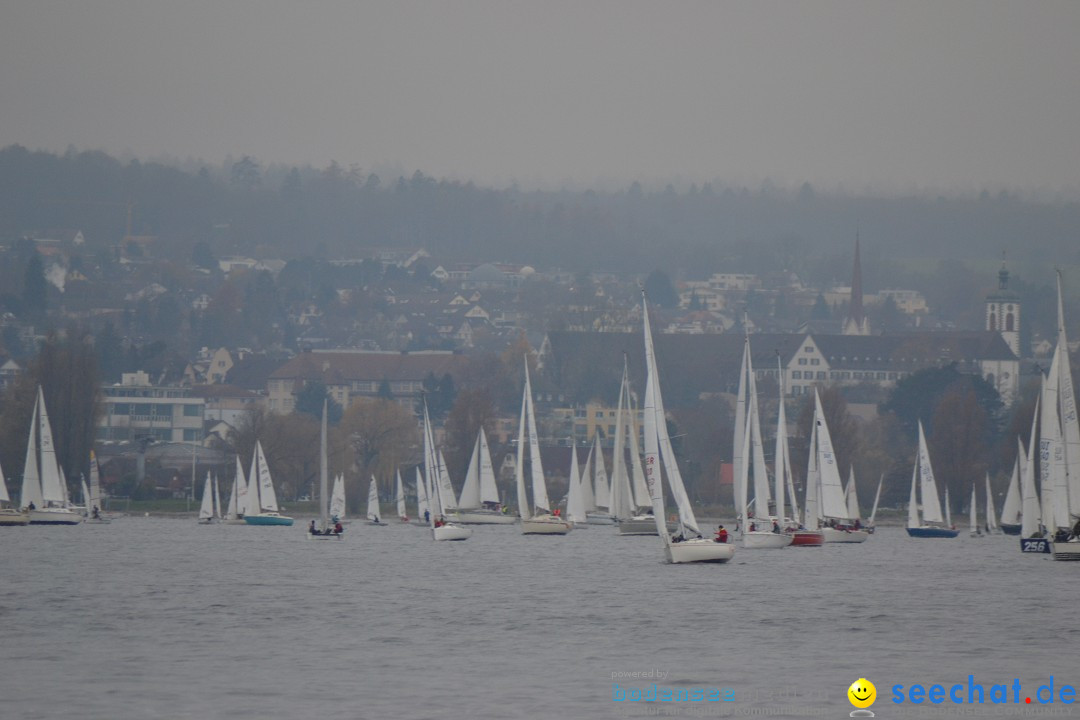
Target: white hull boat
{"points": [[1067, 550], [55, 516], [834, 535], [765, 539], [482, 517], [699, 551], [451, 531], [545, 525], [14, 517]]}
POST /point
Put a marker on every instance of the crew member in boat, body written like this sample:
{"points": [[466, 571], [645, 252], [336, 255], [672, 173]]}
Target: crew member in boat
{"points": [[775, 526], [312, 529], [721, 534], [427, 516], [753, 527], [338, 529], [95, 513]]}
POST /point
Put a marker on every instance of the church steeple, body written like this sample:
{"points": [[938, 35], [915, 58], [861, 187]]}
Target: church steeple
{"points": [[1003, 310], [856, 322]]}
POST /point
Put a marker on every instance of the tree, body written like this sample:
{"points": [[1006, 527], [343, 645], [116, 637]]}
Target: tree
{"points": [[957, 446], [35, 294], [660, 291], [203, 256], [290, 444], [472, 410], [377, 436], [310, 401], [915, 397]]}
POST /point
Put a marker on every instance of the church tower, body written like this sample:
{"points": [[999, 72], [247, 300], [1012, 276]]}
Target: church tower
{"points": [[1003, 311], [856, 323]]}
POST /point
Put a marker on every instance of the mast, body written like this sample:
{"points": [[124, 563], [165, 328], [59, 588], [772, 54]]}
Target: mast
{"points": [[324, 499], [653, 416]]}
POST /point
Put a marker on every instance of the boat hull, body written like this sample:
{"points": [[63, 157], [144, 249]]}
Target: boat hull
{"points": [[758, 540], [1034, 545], [268, 519], [480, 517], [807, 538], [832, 535], [320, 536], [598, 518], [54, 516], [545, 525], [451, 532], [14, 517], [1010, 529], [932, 532], [640, 525], [1068, 550], [699, 551]]}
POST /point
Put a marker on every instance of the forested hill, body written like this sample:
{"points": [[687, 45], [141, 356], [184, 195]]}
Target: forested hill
{"points": [[242, 207]]}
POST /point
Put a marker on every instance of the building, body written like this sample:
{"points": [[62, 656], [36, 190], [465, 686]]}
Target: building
{"points": [[135, 409], [1003, 311], [351, 374]]}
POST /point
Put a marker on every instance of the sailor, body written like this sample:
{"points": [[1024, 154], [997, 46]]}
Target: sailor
{"points": [[311, 528], [721, 534]]}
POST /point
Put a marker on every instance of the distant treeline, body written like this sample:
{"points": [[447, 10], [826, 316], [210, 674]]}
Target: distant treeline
{"points": [[334, 212]]}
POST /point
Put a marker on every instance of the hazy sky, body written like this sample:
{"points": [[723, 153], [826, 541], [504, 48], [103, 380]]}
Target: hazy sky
{"points": [[946, 94]]}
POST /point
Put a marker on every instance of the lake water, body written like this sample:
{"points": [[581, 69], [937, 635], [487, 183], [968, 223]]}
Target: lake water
{"points": [[162, 618]]}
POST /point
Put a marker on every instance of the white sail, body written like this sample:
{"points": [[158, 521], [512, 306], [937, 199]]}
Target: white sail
{"points": [[519, 470], [238, 495], [422, 505], [85, 494], [931, 505], [1010, 511], [687, 521], [1070, 424], [602, 491], [991, 512], [470, 491], [431, 471], [756, 460], [52, 487], [621, 501], [446, 488], [489, 491], [948, 508], [4, 497], [337, 498], [832, 490], [206, 509], [877, 497], [1030, 513], [913, 507], [973, 523], [653, 419], [575, 503], [812, 501], [637, 474], [783, 461], [374, 512], [536, 469], [400, 494], [852, 496], [218, 512], [1055, 498], [740, 445], [267, 497], [95, 484], [587, 484], [31, 481]]}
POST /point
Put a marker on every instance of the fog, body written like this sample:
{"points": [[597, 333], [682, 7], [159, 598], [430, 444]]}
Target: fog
{"points": [[861, 96]]}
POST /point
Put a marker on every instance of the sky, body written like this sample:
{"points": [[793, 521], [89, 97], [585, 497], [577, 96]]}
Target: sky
{"points": [[853, 96]]}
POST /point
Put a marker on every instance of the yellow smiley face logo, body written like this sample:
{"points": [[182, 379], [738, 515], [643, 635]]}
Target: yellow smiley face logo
{"points": [[862, 693]]}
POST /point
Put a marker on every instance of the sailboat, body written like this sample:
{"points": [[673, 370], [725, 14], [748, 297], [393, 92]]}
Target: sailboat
{"points": [[760, 529], [1032, 533], [403, 515], [262, 507], [9, 515], [633, 511], [991, 521], [601, 489], [423, 507], [479, 502], [440, 528], [1010, 511], [658, 451], [208, 514], [324, 530], [973, 520], [536, 519], [337, 500], [374, 512], [43, 492], [575, 499], [870, 526], [826, 498], [1065, 544], [234, 514], [923, 476]]}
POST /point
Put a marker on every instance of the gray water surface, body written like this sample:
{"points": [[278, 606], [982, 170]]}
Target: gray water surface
{"points": [[162, 618]]}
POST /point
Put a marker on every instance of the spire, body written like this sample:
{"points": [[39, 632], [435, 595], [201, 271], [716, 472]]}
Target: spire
{"points": [[1003, 274], [856, 323]]}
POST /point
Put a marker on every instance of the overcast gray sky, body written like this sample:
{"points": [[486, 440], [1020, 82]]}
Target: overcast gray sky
{"points": [[946, 94]]}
